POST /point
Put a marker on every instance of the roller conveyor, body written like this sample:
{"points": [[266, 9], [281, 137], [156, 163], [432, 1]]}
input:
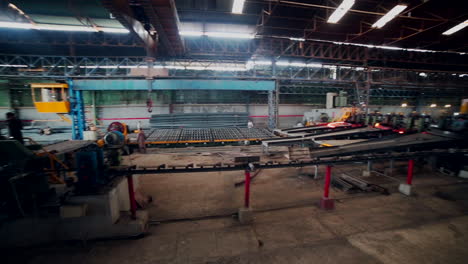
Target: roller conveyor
{"points": [[415, 141], [330, 133], [307, 131], [313, 129], [363, 131]]}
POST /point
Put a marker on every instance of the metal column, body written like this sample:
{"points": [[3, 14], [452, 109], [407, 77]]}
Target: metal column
{"points": [[77, 112], [271, 110], [273, 107]]}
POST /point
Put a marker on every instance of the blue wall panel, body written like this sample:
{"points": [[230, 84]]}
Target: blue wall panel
{"points": [[171, 84]]}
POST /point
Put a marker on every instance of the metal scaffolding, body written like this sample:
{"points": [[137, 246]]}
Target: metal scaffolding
{"points": [[322, 51], [297, 79], [35, 66]]}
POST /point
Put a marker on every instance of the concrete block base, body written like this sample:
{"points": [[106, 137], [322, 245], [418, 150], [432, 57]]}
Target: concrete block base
{"points": [[26, 232], [366, 173], [84, 217], [68, 211], [327, 203], [405, 189], [463, 174], [245, 215]]}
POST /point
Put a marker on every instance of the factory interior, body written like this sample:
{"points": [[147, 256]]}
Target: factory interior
{"points": [[233, 131]]}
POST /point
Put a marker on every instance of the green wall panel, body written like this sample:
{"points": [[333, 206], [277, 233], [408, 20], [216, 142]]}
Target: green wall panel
{"points": [[4, 94]]}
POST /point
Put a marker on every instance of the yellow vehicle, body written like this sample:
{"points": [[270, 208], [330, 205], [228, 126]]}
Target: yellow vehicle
{"points": [[50, 97]]}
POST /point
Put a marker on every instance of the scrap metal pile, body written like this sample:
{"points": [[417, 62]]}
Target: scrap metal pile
{"points": [[352, 184]]}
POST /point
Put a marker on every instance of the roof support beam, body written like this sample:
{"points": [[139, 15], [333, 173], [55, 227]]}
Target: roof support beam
{"points": [[124, 14]]}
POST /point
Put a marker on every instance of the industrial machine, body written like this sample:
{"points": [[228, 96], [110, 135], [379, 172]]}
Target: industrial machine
{"points": [[23, 188], [28, 174]]}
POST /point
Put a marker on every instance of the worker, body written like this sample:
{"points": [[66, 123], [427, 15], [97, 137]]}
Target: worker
{"points": [[14, 127], [250, 124]]}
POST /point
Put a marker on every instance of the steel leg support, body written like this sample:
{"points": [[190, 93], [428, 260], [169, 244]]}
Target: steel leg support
{"points": [[245, 213], [325, 202], [247, 189], [405, 188]]}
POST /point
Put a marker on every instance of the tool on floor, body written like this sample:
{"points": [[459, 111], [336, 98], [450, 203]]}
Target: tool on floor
{"points": [[352, 184]]}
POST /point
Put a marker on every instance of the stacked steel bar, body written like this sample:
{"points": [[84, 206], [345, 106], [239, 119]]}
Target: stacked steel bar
{"points": [[194, 135], [199, 120], [205, 135], [255, 133], [223, 134], [164, 135]]}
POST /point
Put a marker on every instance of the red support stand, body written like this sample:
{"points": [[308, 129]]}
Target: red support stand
{"points": [[247, 189], [325, 202], [405, 188], [131, 195], [409, 179]]}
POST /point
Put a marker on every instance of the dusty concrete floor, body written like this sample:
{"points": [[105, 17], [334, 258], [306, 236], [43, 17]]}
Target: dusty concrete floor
{"points": [[428, 227]]}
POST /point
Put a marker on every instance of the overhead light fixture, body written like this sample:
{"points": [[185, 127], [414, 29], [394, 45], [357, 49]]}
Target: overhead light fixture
{"points": [[172, 67], [251, 63], [297, 64], [238, 6], [114, 30], [229, 35], [340, 11], [404, 105], [395, 11], [55, 27], [282, 63], [433, 105], [15, 25], [64, 28], [297, 39], [314, 65], [14, 65], [217, 34], [447, 106], [262, 62], [456, 28], [191, 33]]}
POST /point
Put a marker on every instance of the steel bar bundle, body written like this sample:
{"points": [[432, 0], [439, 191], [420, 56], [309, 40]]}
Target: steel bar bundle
{"points": [[199, 120]]}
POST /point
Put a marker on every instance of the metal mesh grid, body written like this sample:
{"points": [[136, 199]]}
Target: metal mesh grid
{"points": [[193, 135]]}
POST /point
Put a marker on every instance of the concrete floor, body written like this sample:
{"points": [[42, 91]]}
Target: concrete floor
{"points": [[428, 227]]}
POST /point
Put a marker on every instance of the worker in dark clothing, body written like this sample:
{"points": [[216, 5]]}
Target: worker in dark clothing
{"points": [[14, 127]]}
